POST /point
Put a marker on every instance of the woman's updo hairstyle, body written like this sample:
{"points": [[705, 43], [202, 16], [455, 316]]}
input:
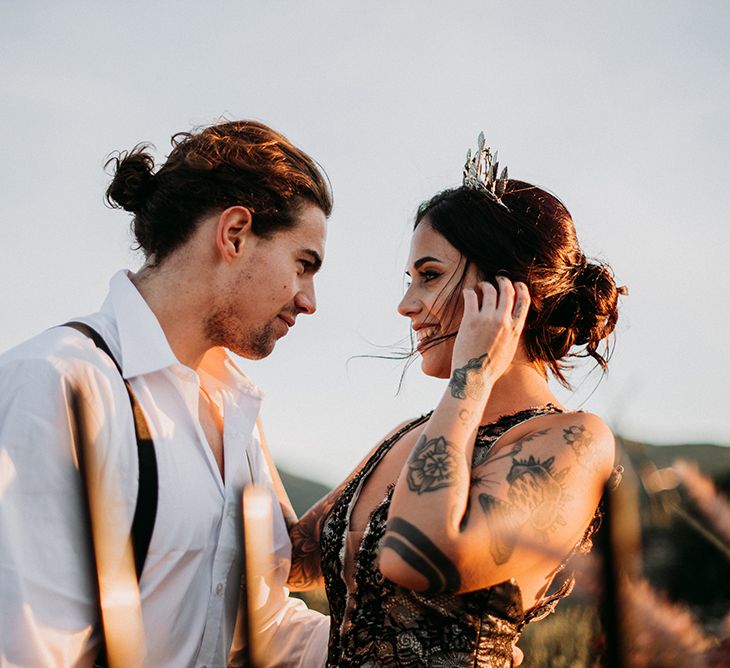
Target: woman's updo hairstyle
{"points": [[233, 163], [532, 239]]}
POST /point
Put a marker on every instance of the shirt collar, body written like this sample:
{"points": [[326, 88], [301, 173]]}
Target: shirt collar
{"points": [[218, 363], [144, 347]]}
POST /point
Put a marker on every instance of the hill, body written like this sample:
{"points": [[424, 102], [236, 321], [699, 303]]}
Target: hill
{"points": [[714, 460], [302, 492]]}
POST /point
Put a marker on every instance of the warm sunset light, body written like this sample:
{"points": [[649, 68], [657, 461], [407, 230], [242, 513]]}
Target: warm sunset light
{"points": [[258, 551], [118, 589], [344, 335]]}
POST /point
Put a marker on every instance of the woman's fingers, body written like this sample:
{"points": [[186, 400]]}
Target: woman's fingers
{"points": [[521, 306], [510, 305], [506, 297], [489, 296], [471, 302]]}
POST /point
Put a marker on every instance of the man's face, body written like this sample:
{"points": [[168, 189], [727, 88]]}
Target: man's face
{"points": [[270, 285]]}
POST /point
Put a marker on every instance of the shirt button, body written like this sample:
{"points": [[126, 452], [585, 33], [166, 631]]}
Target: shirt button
{"points": [[219, 588]]}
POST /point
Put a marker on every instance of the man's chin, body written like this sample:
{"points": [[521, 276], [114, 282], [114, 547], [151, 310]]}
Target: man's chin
{"points": [[252, 350], [253, 354]]}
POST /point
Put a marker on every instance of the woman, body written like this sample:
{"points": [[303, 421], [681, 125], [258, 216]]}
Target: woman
{"points": [[443, 543]]}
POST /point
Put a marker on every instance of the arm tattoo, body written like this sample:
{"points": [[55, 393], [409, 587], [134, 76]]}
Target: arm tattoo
{"points": [[581, 439], [506, 526], [419, 552], [306, 567], [432, 465], [467, 381], [466, 417], [536, 498], [484, 456]]}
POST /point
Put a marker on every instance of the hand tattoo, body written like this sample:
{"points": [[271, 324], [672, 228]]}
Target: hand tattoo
{"points": [[420, 553], [467, 381], [431, 466], [536, 498]]}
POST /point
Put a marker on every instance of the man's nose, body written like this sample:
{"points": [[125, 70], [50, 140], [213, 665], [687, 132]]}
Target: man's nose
{"points": [[306, 300]]}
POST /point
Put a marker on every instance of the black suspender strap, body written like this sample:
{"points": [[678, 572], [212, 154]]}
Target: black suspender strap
{"points": [[145, 511]]}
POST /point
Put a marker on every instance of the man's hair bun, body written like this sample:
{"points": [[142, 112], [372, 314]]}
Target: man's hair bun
{"points": [[133, 180], [232, 163]]}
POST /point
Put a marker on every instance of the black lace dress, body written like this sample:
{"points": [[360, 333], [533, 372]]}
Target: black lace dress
{"points": [[382, 624]]}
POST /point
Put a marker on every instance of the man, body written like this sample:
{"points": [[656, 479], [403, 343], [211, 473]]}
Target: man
{"points": [[233, 229]]}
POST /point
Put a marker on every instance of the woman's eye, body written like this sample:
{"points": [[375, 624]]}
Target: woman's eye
{"points": [[427, 276], [424, 276]]}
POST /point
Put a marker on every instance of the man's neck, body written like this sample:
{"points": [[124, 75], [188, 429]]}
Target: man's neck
{"points": [[176, 300]]}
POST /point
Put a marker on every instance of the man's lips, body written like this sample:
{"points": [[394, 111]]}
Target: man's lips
{"points": [[288, 319]]}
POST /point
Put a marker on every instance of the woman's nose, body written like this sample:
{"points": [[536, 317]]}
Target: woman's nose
{"points": [[408, 305]]}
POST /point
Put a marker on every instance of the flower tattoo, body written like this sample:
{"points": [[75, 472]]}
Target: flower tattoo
{"points": [[431, 465]]}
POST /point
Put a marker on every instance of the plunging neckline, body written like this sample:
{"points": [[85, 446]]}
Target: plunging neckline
{"points": [[371, 465], [379, 623]]}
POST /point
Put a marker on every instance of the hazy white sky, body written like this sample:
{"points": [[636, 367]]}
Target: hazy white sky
{"points": [[621, 109]]}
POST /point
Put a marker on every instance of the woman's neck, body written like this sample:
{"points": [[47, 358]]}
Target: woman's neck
{"points": [[521, 386]]}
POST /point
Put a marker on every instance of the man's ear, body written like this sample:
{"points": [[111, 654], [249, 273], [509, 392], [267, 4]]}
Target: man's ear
{"points": [[233, 231]]}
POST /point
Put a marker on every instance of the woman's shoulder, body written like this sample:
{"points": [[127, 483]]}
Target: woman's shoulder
{"points": [[583, 437]]}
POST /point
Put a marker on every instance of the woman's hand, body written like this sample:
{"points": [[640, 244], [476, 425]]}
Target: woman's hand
{"points": [[488, 334]]}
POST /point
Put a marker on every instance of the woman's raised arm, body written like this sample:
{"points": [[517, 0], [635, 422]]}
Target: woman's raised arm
{"points": [[443, 514]]}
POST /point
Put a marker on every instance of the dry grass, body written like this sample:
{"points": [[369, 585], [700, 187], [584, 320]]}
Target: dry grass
{"points": [[654, 632], [570, 638]]}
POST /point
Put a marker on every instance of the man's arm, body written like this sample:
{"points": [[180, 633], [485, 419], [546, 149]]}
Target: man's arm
{"points": [[47, 589], [290, 635], [290, 516], [306, 568]]}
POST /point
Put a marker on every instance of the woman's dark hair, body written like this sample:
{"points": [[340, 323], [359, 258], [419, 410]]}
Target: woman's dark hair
{"points": [[532, 239], [233, 163]]}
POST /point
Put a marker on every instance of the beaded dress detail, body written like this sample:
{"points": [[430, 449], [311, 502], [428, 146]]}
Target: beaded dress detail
{"points": [[382, 624]]}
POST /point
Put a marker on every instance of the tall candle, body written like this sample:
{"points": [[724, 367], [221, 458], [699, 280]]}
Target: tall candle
{"points": [[121, 607], [259, 551]]}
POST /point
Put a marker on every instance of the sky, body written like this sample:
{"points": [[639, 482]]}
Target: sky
{"points": [[618, 108]]}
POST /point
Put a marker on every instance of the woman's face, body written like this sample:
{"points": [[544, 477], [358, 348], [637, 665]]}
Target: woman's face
{"points": [[433, 300]]}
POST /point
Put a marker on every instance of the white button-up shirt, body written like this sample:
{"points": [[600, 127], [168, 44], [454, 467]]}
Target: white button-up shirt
{"points": [[191, 580]]}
